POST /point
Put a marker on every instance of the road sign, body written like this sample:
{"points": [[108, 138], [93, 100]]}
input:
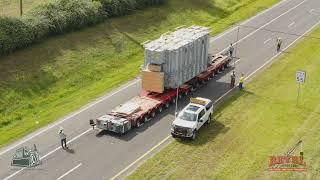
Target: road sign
{"points": [[300, 76]]}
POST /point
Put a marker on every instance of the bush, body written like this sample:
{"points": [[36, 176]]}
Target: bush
{"points": [[56, 17], [121, 7], [14, 34], [60, 16]]}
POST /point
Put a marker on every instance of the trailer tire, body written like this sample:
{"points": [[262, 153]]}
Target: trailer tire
{"points": [[146, 118], [138, 124], [186, 93], [153, 114], [167, 105], [173, 100], [160, 109]]}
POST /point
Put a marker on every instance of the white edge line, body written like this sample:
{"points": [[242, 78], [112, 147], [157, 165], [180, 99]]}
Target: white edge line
{"points": [[49, 153], [141, 157], [114, 177], [66, 118], [247, 20], [311, 12], [291, 24], [108, 96], [69, 171], [266, 41]]}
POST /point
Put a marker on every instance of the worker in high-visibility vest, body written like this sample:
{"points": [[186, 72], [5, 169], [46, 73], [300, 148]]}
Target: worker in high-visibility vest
{"points": [[241, 81]]}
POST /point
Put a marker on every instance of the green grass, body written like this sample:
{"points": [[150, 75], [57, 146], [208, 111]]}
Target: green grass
{"points": [[12, 7], [253, 125], [55, 77]]}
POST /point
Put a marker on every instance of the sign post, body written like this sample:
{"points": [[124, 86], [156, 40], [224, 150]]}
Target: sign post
{"points": [[300, 78]]}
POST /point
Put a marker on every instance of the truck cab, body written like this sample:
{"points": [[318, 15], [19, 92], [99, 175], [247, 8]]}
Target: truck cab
{"points": [[188, 122]]}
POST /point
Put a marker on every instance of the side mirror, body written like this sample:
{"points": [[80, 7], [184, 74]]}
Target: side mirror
{"points": [[91, 121]]}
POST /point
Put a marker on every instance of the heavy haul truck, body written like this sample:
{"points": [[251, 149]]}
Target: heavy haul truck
{"points": [[162, 82]]}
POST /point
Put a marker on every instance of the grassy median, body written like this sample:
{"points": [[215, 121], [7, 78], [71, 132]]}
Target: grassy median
{"points": [[252, 125], [53, 78]]}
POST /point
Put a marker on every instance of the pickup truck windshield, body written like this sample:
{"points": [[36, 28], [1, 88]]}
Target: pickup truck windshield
{"points": [[188, 116]]}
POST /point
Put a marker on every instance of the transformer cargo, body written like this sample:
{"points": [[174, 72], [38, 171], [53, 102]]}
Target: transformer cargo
{"points": [[181, 55]]}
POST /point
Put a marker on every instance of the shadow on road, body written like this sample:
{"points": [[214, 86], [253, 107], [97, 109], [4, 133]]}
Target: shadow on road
{"points": [[71, 151]]}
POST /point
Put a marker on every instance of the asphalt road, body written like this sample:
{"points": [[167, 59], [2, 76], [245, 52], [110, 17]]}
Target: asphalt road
{"points": [[100, 155]]}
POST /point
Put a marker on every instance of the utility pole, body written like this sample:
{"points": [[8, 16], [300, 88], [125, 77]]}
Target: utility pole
{"points": [[21, 8]]}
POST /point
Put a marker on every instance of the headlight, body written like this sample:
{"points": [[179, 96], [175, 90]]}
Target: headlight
{"points": [[190, 131]]}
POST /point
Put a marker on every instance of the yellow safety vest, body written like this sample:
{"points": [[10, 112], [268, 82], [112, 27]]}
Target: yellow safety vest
{"points": [[241, 79]]}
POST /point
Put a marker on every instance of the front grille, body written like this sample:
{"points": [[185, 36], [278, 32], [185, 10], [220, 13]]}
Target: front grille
{"points": [[180, 130]]}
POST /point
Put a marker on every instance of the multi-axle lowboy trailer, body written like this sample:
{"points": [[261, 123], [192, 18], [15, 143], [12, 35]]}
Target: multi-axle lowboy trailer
{"points": [[144, 107]]}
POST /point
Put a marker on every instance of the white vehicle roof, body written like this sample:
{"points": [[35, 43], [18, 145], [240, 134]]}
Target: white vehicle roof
{"points": [[194, 107]]}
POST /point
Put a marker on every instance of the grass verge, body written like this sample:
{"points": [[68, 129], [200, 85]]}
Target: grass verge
{"points": [[253, 125], [56, 77]]}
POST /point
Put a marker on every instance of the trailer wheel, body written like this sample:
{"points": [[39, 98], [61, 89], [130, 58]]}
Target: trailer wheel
{"points": [[146, 119], [186, 93], [153, 114], [174, 100], [167, 105], [138, 124], [160, 109]]}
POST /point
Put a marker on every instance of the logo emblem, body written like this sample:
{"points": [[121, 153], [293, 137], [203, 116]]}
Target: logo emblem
{"points": [[25, 157]]}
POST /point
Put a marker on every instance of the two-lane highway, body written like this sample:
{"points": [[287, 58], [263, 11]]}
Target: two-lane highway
{"points": [[98, 155]]}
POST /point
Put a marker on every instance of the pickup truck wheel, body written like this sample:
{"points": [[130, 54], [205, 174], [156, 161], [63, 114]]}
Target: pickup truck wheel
{"points": [[194, 135], [174, 136], [209, 119]]}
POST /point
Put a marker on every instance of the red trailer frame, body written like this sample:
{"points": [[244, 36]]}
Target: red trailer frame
{"points": [[152, 102]]}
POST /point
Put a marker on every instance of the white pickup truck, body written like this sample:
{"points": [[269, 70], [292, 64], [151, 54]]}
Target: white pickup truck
{"points": [[192, 117]]}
